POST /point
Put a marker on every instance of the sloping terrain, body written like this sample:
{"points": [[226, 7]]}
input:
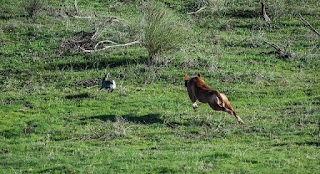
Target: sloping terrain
{"points": [[54, 120]]}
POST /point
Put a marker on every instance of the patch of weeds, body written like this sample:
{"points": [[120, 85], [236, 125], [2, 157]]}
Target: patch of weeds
{"points": [[33, 7]]}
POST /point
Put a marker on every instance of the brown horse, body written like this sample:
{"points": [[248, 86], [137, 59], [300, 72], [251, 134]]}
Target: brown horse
{"points": [[198, 90]]}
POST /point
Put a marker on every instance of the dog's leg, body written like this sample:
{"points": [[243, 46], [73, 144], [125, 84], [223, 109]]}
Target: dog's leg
{"points": [[228, 108], [193, 100], [194, 105], [238, 118], [232, 112], [216, 107]]}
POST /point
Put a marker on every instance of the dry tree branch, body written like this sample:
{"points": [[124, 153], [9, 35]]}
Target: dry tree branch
{"points": [[94, 36], [76, 7], [279, 50], [89, 87], [195, 12], [264, 13], [107, 47], [309, 25], [102, 42]]}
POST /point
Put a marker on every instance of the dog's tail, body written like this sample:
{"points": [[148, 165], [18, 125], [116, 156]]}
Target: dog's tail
{"points": [[186, 78]]}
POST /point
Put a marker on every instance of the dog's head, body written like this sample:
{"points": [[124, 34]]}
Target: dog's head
{"points": [[186, 78]]}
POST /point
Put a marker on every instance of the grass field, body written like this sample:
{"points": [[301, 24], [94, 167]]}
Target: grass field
{"points": [[50, 122]]}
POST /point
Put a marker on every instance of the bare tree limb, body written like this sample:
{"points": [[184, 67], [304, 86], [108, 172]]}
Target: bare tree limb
{"points": [[195, 12], [94, 36], [264, 13], [102, 42], [309, 25], [111, 46], [89, 87], [76, 7], [278, 49], [285, 53]]}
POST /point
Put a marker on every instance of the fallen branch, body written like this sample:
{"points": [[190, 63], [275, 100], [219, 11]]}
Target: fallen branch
{"points": [[279, 50], [94, 36], [309, 25], [107, 47], [195, 12], [89, 87], [102, 42]]}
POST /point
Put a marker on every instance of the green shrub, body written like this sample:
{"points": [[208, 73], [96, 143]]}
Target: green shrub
{"points": [[161, 30], [32, 7]]}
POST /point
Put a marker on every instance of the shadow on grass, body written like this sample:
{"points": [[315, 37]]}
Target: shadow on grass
{"points": [[144, 119], [243, 13], [94, 63], [307, 143], [78, 96], [148, 119], [58, 169]]}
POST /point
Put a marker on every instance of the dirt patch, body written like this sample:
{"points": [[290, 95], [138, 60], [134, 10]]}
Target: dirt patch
{"points": [[29, 129], [81, 39], [250, 61], [29, 105], [12, 100], [5, 150], [10, 71]]}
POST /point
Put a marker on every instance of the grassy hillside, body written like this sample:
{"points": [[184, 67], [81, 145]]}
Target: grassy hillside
{"points": [[50, 122]]}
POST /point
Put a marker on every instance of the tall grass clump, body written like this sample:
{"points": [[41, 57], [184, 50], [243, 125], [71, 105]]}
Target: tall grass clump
{"points": [[162, 30], [33, 7]]}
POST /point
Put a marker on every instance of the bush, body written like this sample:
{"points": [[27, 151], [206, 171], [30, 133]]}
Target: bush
{"points": [[33, 7], [161, 30]]}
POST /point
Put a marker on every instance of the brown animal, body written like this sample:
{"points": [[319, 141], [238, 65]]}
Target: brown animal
{"points": [[198, 90]]}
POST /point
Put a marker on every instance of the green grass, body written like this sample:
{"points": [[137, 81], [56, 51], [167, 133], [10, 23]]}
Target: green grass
{"points": [[147, 125]]}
